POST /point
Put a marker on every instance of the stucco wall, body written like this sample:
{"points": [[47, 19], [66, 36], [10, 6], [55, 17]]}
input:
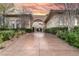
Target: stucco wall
{"points": [[58, 21]]}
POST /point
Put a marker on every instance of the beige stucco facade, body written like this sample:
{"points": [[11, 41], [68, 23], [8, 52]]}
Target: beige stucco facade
{"points": [[61, 20]]}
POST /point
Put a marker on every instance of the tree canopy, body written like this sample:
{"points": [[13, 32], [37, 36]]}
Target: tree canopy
{"points": [[5, 6]]}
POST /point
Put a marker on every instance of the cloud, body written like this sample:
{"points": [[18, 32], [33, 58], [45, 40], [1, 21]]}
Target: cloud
{"points": [[40, 8]]}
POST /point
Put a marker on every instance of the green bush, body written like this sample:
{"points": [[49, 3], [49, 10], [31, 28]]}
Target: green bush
{"points": [[6, 35], [28, 30], [55, 30], [72, 37], [1, 38]]}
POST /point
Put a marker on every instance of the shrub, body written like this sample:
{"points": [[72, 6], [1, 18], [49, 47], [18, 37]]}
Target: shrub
{"points": [[1, 37], [28, 30], [72, 37], [6, 35], [55, 30]]}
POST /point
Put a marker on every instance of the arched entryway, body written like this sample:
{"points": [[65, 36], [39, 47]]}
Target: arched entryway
{"points": [[38, 25]]}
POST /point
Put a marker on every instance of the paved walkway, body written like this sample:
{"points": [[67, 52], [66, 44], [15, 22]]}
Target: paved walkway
{"points": [[38, 44]]}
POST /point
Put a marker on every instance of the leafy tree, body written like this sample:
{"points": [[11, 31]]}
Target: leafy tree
{"points": [[3, 8]]}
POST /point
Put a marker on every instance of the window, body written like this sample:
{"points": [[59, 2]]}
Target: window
{"points": [[61, 22], [75, 21]]}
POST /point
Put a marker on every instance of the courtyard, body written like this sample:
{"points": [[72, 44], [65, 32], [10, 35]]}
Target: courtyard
{"points": [[38, 44], [28, 31]]}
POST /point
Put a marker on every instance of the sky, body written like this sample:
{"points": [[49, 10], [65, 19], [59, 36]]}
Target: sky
{"points": [[40, 8]]}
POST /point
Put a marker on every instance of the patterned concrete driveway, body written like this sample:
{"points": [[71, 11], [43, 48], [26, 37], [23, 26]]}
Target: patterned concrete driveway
{"points": [[38, 44]]}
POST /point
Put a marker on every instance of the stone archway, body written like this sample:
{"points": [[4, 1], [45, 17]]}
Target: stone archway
{"points": [[38, 25]]}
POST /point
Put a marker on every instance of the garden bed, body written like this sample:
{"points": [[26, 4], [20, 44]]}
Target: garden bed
{"points": [[7, 34], [71, 37]]}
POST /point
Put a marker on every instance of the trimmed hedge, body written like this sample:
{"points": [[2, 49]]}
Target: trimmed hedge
{"points": [[55, 29], [28, 30], [20, 30]]}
